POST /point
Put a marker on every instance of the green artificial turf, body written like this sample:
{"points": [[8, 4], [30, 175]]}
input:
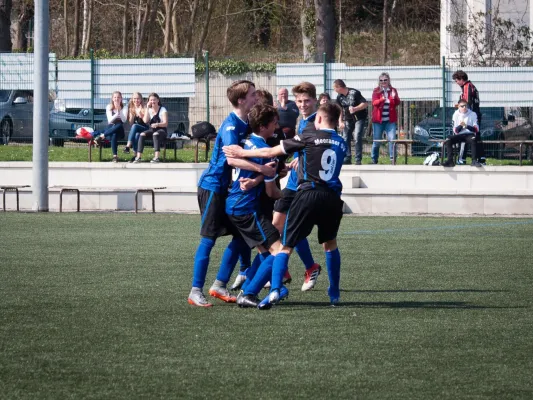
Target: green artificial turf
{"points": [[94, 306]]}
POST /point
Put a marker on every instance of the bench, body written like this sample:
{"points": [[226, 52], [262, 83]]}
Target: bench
{"points": [[76, 190], [395, 143], [520, 143], [11, 188]]}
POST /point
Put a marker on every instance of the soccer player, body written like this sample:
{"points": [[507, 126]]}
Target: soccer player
{"points": [[305, 94], [317, 201], [212, 192]]}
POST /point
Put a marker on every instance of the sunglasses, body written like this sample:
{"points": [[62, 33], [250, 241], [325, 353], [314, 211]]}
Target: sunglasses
{"points": [[462, 106], [383, 80]]}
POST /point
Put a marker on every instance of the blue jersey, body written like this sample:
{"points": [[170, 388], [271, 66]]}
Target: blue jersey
{"points": [[321, 155], [217, 176], [241, 202], [292, 182]]}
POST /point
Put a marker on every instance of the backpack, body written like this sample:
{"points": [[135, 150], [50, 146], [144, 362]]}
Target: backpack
{"points": [[202, 130], [432, 159]]}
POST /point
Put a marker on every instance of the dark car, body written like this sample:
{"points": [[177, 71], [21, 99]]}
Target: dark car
{"points": [[16, 114], [493, 121]]}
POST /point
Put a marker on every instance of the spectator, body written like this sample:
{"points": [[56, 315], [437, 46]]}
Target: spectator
{"points": [[354, 115], [116, 117], [384, 118], [323, 98], [157, 119], [470, 94], [136, 112], [288, 113], [465, 128]]}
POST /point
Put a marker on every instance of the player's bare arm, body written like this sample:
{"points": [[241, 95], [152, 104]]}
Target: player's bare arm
{"points": [[267, 169], [236, 152]]}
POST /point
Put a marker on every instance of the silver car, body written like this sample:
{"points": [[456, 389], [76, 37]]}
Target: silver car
{"points": [[16, 114]]}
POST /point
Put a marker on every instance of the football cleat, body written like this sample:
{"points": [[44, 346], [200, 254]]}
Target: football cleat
{"points": [[239, 280], [334, 301], [197, 298], [245, 301], [287, 278], [311, 275], [223, 294], [273, 297]]}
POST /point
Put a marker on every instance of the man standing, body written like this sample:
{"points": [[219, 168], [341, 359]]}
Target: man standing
{"points": [[288, 113], [354, 115], [470, 94]]}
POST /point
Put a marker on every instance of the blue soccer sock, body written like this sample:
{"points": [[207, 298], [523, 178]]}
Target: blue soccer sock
{"points": [[281, 265], [333, 262], [201, 262], [230, 257], [250, 274], [304, 251], [245, 259], [262, 276]]}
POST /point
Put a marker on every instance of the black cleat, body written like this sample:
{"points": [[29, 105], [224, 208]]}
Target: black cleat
{"points": [[247, 301], [448, 163]]}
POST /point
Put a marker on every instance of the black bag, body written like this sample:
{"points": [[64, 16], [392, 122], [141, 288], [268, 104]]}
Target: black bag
{"points": [[203, 130]]}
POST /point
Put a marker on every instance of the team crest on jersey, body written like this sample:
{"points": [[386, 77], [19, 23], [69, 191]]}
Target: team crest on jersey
{"points": [[230, 128]]}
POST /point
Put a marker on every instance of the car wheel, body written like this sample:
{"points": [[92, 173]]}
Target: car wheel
{"points": [[58, 142], [6, 130]]}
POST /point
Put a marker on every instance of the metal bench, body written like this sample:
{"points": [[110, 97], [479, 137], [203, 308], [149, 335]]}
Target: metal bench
{"points": [[395, 143]]}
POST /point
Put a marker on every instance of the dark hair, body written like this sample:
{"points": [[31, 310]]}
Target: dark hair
{"points": [[305, 87], [331, 111], [339, 83], [264, 97], [322, 95], [460, 74], [238, 90], [261, 115], [463, 101]]}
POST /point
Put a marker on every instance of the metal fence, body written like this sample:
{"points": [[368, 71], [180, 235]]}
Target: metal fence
{"points": [[195, 91]]}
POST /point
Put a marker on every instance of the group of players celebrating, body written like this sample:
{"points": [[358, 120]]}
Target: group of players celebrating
{"points": [[249, 205]]}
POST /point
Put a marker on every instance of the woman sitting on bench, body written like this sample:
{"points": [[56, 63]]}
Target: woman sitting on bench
{"points": [[464, 128], [157, 119], [116, 117], [136, 112]]}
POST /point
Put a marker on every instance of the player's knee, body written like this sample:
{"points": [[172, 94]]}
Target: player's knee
{"points": [[330, 245]]}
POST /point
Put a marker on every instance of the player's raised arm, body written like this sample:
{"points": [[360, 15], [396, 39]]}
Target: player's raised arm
{"points": [[235, 151]]}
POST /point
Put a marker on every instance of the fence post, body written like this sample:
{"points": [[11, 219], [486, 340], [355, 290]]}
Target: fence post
{"points": [[325, 72], [443, 105], [92, 88], [206, 59]]}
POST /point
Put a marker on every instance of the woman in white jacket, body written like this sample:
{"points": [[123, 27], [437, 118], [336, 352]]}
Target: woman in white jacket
{"points": [[116, 117], [465, 128]]}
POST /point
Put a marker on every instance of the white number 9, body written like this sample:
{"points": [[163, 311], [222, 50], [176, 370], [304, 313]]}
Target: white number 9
{"points": [[328, 161]]}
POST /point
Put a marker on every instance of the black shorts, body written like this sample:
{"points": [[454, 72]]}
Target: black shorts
{"points": [[215, 221], [283, 204], [266, 205], [255, 229], [310, 208]]}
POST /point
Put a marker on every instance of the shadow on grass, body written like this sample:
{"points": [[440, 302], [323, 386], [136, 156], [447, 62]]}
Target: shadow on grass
{"points": [[426, 291], [402, 304]]}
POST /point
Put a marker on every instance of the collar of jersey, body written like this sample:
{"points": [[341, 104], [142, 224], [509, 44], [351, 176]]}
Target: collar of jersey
{"points": [[243, 121], [257, 136], [328, 130], [305, 119]]}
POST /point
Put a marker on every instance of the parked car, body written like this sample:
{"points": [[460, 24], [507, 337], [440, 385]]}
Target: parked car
{"points": [[493, 122], [16, 114]]}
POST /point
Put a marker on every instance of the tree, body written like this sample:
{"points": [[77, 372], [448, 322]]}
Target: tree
{"points": [[23, 12], [75, 48], [325, 30], [307, 25], [486, 39], [5, 23]]}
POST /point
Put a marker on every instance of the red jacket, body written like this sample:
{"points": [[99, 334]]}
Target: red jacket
{"points": [[378, 100]]}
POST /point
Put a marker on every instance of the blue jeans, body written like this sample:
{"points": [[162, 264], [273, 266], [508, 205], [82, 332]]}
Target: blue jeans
{"points": [[133, 136], [378, 128], [115, 131]]}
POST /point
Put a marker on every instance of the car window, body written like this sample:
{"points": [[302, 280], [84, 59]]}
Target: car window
{"points": [[437, 113], [4, 95], [25, 94]]}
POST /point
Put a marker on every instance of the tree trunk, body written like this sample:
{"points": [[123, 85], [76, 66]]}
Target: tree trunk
{"points": [[188, 34], [125, 28], [167, 4], [89, 26], [176, 44], [85, 26], [5, 24], [75, 49], [325, 30], [141, 24], [151, 26], [385, 33], [23, 15], [306, 22], [226, 28], [65, 26], [340, 32], [205, 27]]}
